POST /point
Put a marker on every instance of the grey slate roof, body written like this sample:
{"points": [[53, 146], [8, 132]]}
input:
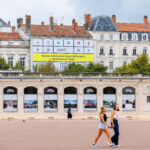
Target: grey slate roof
{"points": [[3, 23], [103, 24]]}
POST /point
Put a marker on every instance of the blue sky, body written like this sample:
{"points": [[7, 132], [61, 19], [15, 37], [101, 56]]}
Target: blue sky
{"points": [[65, 10]]}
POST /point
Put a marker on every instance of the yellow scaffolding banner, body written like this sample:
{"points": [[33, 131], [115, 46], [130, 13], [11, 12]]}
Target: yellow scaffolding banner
{"points": [[63, 57]]}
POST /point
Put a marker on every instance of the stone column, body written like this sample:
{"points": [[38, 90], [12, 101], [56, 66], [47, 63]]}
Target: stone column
{"points": [[99, 98], [80, 100], [20, 100], [119, 97], [61, 99], [41, 100]]}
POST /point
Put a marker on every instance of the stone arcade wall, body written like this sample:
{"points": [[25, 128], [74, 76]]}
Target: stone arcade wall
{"points": [[141, 84]]}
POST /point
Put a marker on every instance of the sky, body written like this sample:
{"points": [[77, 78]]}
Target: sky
{"points": [[64, 11]]}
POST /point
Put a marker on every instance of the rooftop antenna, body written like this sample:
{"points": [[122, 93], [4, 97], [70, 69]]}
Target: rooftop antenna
{"points": [[62, 19]]}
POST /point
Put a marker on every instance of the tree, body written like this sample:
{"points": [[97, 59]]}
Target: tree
{"points": [[73, 67], [91, 67], [139, 65], [3, 64], [48, 67], [18, 66]]}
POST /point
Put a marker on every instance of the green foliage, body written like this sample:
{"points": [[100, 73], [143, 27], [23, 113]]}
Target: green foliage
{"points": [[139, 65], [91, 67], [3, 64], [48, 67], [73, 67], [18, 66]]}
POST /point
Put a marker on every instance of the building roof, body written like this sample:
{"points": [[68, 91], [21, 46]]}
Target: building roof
{"points": [[14, 36], [59, 30], [3, 23], [103, 24], [133, 27]]}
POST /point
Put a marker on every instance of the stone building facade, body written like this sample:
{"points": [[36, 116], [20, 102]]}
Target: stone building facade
{"points": [[118, 43], [13, 48], [26, 96]]}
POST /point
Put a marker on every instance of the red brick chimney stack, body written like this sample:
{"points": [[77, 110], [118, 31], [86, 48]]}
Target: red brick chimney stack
{"points": [[51, 23], [145, 21], [28, 23], [13, 29], [19, 22], [114, 18], [87, 19], [42, 23], [74, 24]]}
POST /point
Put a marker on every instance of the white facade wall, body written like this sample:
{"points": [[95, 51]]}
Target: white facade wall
{"points": [[118, 58]]}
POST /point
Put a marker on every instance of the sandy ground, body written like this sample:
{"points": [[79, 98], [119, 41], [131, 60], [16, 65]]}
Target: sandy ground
{"points": [[70, 135]]}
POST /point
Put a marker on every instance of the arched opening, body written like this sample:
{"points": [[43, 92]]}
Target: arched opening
{"points": [[128, 98], [50, 99], [90, 98], [70, 98], [30, 99], [10, 99], [109, 97]]}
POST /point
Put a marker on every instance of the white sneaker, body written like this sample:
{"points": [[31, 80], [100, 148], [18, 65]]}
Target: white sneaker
{"points": [[95, 145], [112, 145], [117, 145]]}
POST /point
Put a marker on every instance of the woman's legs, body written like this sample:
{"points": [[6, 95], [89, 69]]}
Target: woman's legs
{"points": [[99, 134], [108, 135], [116, 135]]}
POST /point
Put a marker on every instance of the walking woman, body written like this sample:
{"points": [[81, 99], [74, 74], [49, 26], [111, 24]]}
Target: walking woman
{"points": [[115, 125], [103, 127]]}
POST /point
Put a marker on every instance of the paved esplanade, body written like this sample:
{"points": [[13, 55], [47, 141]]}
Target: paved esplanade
{"points": [[70, 135]]}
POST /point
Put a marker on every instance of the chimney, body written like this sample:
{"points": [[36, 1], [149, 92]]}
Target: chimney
{"points": [[74, 24], [9, 23], [51, 23], [114, 19], [19, 22], [13, 29], [87, 24], [28, 23], [145, 21], [42, 23]]}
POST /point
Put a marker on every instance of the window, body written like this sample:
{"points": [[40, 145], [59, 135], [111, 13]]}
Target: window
{"points": [[10, 43], [111, 65], [124, 37], [22, 61], [101, 37], [134, 51], [111, 37], [102, 63], [22, 44], [124, 51], [148, 99], [10, 60], [111, 51], [124, 63], [101, 51], [134, 37], [1, 24], [144, 50], [144, 38]]}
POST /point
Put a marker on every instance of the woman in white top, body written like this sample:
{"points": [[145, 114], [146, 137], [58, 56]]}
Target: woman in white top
{"points": [[115, 125]]}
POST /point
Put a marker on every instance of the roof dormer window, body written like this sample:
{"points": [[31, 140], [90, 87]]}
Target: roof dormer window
{"points": [[144, 37], [124, 36], [134, 37]]}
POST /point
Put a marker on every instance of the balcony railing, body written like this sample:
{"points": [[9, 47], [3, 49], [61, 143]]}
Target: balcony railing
{"points": [[21, 75]]}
